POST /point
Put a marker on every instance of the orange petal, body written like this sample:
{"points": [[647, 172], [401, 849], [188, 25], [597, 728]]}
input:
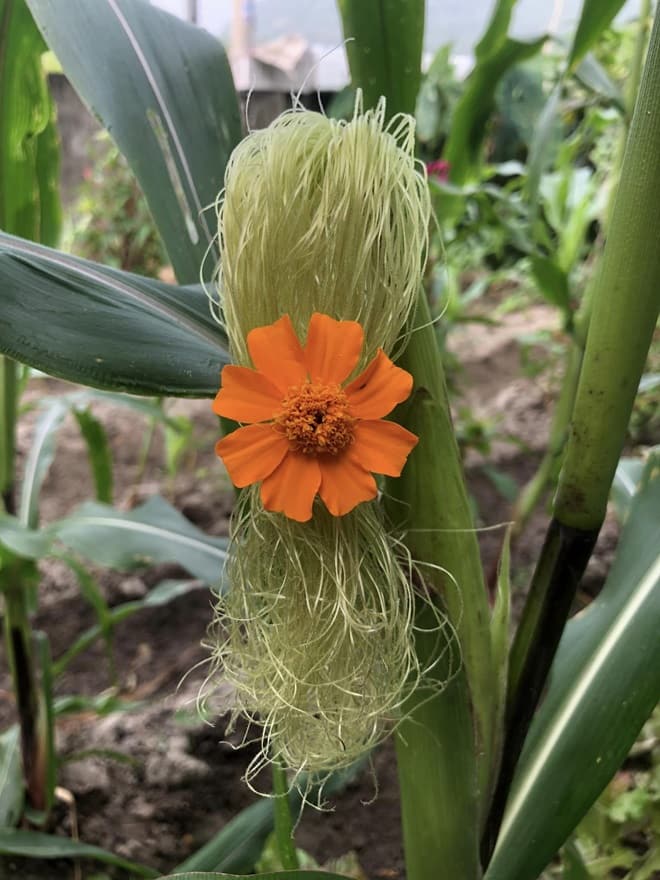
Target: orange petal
{"points": [[246, 396], [291, 488], [251, 453], [344, 483], [277, 353], [332, 349], [378, 389], [382, 447]]}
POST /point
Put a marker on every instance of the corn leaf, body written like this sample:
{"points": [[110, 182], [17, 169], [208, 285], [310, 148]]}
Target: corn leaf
{"points": [[11, 780], [385, 50], [238, 846], [164, 91], [164, 593], [476, 105], [28, 137], [98, 452], [37, 845], [271, 875], [102, 327], [39, 459], [596, 16], [604, 684], [154, 532]]}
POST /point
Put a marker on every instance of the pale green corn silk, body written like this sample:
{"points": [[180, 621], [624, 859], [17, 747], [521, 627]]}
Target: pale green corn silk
{"points": [[316, 634], [323, 215]]}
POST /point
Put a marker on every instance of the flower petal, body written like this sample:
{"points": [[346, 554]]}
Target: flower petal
{"points": [[344, 483], [246, 396], [277, 353], [378, 389], [382, 447], [292, 487], [250, 454], [332, 349]]}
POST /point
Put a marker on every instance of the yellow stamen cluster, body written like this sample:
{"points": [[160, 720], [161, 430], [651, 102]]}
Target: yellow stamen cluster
{"points": [[316, 419]]}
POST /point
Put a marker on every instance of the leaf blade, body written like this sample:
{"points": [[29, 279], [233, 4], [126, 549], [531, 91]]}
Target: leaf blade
{"points": [[155, 531], [35, 844], [113, 48], [385, 50], [605, 682], [106, 328], [595, 17], [474, 108]]}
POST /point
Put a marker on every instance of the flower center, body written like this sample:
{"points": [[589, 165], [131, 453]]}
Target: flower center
{"points": [[315, 419]]}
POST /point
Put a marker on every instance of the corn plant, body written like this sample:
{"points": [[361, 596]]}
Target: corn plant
{"points": [[316, 295]]}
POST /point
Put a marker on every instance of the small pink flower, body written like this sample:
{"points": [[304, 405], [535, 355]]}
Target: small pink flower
{"points": [[438, 169]]}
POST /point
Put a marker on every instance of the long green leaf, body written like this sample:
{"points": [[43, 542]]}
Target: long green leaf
{"points": [[164, 593], [474, 109], [22, 541], [102, 327], [271, 875], [36, 845], [596, 16], [497, 29], [153, 532], [11, 781], [594, 76], [42, 444], [164, 91], [238, 846], [39, 459], [604, 684], [385, 50], [98, 452], [626, 480]]}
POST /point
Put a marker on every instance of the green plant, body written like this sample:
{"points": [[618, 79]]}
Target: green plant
{"points": [[480, 788], [111, 222]]}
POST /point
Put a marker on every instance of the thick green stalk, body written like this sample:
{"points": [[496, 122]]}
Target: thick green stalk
{"points": [[286, 847], [25, 679], [634, 79], [437, 775], [624, 314], [549, 467], [8, 407], [624, 311], [446, 749]]}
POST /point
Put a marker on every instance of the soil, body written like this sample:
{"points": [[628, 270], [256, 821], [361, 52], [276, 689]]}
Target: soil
{"points": [[178, 782]]}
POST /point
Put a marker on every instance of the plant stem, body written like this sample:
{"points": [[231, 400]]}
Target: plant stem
{"points": [[430, 502], [446, 748], [8, 407], [437, 775], [286, 846], [25, 679], [624, 311], [564, 557], [624, 314], [549, 467]]}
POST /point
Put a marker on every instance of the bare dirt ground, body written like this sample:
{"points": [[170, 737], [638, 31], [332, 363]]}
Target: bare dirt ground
{"points": [[179, 783]]}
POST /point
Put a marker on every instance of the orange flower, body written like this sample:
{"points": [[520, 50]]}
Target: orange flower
{"points": [[307, 433]]}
